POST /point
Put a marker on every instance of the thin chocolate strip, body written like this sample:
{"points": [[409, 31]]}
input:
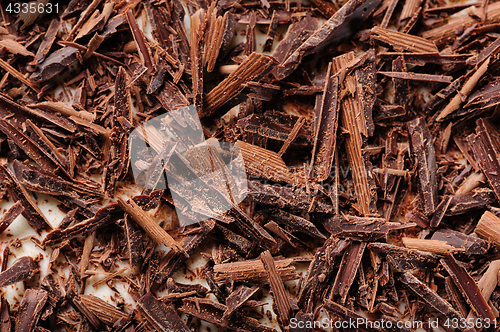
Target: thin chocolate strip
{"points": [[238, 298], [428, 295], [160, 316], [348, 269], [10, 215], [425, 157], [325, 133], [280, 294], [468, 287], [487, 152]]}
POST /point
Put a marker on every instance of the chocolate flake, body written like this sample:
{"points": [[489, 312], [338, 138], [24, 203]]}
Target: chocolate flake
{"points": [[23, 268]]}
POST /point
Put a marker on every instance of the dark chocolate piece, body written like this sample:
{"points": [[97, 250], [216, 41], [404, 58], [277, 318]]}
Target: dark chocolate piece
{"points": [[425, 158], [159, 315], [403, 259], [54, 64], [31, 212], [30, 309], [362, 228], [23, 268], [10, 215], [468, 287]]}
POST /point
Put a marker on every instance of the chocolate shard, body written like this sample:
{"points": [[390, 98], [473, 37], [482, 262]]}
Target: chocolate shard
{"points": [[473, 200], [252, 69], [159, 315], [417, 76], [213, 312], [440, 211], [10, 215], [101, 218], [30, 309], [253, 271], [325, 133], [176, 287], [348, 269], [106, 312], [122, 96], [403, 41], [468, 287], [428, 295], [488, 228], [422, 150], [5, 324], [149, 225], [238, 298], [354, 119], [271, 32], [280, 294], [23, 268], [297, 34], [487, 152], [470, 243], [337, 28], [319, 272], [362, 228], [289, 197], [31, 211], [485, 97], [273, 125], [403, 259], [291, 221], [421, 59], [28, 145], [134, 241], [48, 40], [38, 180], [54, 64]]}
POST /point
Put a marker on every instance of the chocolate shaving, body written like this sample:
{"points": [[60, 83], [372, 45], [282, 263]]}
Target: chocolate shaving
{"points": [[425, 157], [428, 295], [403, 259], [252, 69], [149, 225], [362, 228], [10, 215], [16, 191], [280, 294], [30, 309], [468, 287], [348, 269], [54, 64], [160, 316], [487, 152], [404, 42], [23, 268], [238, 298]]}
